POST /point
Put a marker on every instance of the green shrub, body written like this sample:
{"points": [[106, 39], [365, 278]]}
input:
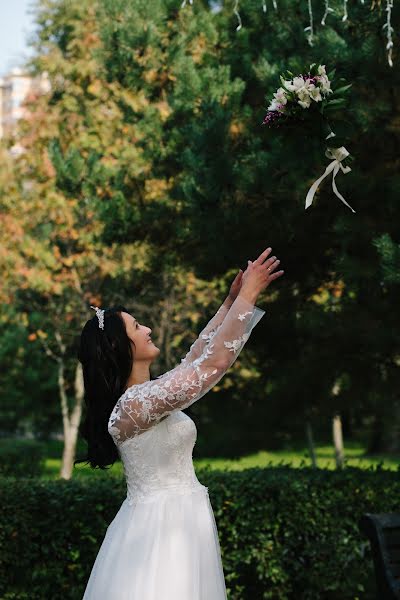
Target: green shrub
{"points": [[284, 533], [21, 458]]}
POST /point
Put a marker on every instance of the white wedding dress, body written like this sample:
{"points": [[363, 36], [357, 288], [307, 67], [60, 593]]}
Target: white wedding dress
{"points": [[163, 542]]}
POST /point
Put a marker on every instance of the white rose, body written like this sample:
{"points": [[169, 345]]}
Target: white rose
{"points": [[280, 96], [325, 84], [308, 85], [274, 105], [305, 103], [289, 85], [303, 94], [321, 70], [315, 94], [298, 83]]}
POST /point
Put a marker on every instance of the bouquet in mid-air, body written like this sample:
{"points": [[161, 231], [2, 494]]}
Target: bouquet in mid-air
{"points": [[311, 98]]}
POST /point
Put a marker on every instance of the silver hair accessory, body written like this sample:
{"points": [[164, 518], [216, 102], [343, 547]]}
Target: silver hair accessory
{"points": [[100, 315]]}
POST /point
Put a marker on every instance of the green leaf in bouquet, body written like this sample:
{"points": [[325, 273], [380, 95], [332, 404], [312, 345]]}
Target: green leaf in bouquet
{"points": [[314, 69], [334, 104], [331, 75], [342, 89]]}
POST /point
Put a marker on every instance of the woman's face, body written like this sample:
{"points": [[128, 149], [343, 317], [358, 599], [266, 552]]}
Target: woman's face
{"points": [[144, 348]]}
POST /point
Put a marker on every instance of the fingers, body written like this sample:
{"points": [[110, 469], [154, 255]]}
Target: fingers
{"points": [[275, 275], [239, 275], [267, 265], [271, 266], [262, 256]]}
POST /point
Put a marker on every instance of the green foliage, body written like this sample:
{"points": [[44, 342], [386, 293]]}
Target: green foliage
{"points": [[237, 187], [284, 533], [70, 169], [389, 252], [153, 127], [21, 458], [26, 383]]}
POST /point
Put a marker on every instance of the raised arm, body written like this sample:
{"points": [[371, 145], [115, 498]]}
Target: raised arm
{"points": [[207, 334], [142, 406]]}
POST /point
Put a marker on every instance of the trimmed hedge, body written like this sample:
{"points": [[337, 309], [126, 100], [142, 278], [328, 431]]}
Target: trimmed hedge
{"points": [[21, 458], [285, 533]]}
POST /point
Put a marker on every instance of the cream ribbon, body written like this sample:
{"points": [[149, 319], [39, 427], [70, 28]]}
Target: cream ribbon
{"points": [[337, 155]]}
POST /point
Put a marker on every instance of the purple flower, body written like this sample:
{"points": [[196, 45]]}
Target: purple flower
{"points": [[271, 116]]}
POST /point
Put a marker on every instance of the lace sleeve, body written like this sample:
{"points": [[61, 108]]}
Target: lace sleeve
{"points": [[143, 405], [206, 335]]}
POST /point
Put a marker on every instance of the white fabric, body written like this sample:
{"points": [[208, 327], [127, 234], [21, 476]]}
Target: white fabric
{"points": [[337, 155], [163, 542]]}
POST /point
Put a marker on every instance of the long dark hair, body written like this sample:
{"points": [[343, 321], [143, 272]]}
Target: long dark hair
{"points": [[107, 359]]}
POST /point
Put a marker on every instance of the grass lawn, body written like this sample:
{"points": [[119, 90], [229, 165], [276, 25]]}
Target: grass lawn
{"points": [[354, 456]]}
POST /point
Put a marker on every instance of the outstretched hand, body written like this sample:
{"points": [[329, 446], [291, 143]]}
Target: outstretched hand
{"points": [[235, 286], [260, 274], [260, 271]]}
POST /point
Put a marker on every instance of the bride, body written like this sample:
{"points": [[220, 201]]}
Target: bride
{"points": [[163, 542]]}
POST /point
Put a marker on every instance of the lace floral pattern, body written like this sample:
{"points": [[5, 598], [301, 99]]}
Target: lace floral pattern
{"points": [[159, 462], [242, 316], [234, 345], [197, 348], [144, 405]]}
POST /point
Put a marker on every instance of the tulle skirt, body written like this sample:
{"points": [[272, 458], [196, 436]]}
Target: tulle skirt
{"points": [[163, 548]]}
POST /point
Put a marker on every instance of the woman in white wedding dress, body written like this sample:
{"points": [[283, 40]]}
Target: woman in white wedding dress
{"points": [[163, 542]]}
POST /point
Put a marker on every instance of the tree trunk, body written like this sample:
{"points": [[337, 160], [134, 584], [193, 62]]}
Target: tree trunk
{"points": [[311, 447], [392, 445], [164, 328], [338, 441], [70, 422]]}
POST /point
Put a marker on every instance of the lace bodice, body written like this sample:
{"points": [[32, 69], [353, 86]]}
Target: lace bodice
{"points": [[160, 460], [156, 451]]}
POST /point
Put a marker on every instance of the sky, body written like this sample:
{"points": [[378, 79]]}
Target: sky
{"points": [[16, 23], [15, 26]]}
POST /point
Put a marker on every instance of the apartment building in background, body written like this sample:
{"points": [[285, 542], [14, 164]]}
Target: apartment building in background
{"points": [[15, 90]]}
